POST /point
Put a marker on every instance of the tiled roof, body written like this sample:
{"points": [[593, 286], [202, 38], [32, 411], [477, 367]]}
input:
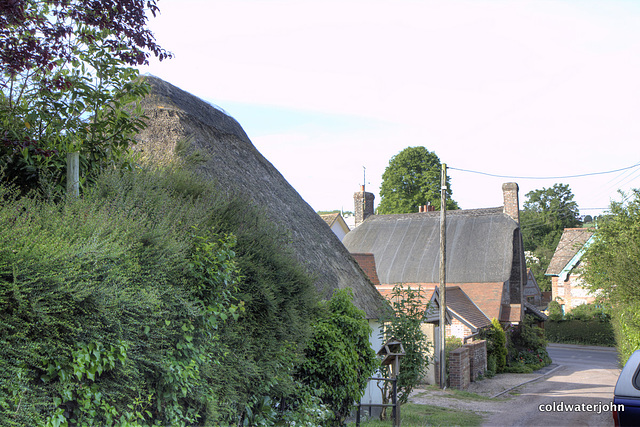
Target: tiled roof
{"points": [[330, 218], [572, 240], [463, 308], [475, 303]]}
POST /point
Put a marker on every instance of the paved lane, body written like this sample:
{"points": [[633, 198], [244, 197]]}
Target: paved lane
{"points": [[586, 377]]}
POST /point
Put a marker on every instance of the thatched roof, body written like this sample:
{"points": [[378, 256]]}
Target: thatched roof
{"points": [[480, 246], [572, 240], [176, 116]]}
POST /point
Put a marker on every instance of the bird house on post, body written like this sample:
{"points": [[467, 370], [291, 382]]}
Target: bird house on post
{"points": [[391, 352]]}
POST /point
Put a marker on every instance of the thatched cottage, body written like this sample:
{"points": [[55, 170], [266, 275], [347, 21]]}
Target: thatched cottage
{"points": [[177, 118]]}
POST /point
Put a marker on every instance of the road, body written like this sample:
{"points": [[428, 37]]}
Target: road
{"points": [[584, 380]]}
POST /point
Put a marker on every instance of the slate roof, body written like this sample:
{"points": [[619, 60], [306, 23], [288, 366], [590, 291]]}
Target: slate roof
{"points": [[231, 160], [407, 246], [572, 240]]}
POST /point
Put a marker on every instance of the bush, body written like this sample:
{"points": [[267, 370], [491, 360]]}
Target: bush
{"points": [[589, 332], [405, 324], [496, 344], [147, 301], [555, 311], [588, 312], [527, 347], [339, 359]]}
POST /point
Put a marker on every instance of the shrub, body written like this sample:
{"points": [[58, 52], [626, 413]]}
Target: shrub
{"points": [[555, 311], [146, 301], [404, 323], [527, 347], [589, 332], [339, 359], [496, 344]]}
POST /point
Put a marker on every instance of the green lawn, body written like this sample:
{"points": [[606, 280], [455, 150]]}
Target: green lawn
{"points": [[414, 415]]}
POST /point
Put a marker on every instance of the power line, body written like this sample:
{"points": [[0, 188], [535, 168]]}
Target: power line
{"points": [[546, 177]]}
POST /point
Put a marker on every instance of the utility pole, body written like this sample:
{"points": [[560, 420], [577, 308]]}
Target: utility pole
{"points": [[443, 272]]}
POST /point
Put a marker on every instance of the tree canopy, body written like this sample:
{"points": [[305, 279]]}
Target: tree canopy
{"points": [[412, 179], [66, 84], [547, 212], [612, 268]]}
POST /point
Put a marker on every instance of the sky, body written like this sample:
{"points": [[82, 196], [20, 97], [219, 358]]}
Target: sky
{"points": [[325, 89]]}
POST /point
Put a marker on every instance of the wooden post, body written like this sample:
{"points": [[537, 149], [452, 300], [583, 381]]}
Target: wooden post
{"points": [[73, 174], [443, 272]]}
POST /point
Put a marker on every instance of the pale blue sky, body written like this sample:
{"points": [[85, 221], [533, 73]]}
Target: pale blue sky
{"points": [[323, 88]]}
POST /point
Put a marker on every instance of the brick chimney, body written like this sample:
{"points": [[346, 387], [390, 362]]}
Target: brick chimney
{"points": [[511, 203], [426, 208], [363, 205]]}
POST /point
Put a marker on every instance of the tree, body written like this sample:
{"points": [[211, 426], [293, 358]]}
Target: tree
{"points": [[612, 268], [405, 324], [66, 84], [547, 212], [412, 179]]}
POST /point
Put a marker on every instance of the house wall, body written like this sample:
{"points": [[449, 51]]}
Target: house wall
{"points": [[338, 230], [429, 329], [570, 293], [372, 393], [458, 329]]}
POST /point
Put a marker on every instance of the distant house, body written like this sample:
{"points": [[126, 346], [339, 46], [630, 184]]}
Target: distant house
{"points": [[336, 223], [485, 258], [567, 285], [485, 269], [532, 293]]}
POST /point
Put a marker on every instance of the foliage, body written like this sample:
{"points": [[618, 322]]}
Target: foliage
{"points": [[555, 311], [527, 347], [65, 86], [612, 267], [588, 312], [339, 359], [405, 324], [127, 306], [496, 345], [412, 179], [586, 332], [547, 212]]}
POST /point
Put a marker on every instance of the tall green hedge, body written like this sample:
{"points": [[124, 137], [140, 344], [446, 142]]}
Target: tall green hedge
{"points": [[151, 299]]}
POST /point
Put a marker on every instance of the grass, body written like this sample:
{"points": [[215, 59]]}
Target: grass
{"points": [[413, 415], [454, 393]]}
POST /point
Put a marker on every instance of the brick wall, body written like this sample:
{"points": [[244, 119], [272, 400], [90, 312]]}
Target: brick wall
{"points": [[459, 372], [477, 359], [367, 263], [363, 205]]}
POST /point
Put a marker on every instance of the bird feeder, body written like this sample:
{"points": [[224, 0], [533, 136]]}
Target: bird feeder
{"points": [[391, 352]]}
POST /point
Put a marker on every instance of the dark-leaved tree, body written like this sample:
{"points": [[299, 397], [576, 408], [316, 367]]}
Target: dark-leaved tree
{"points": [[67, 82]]}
